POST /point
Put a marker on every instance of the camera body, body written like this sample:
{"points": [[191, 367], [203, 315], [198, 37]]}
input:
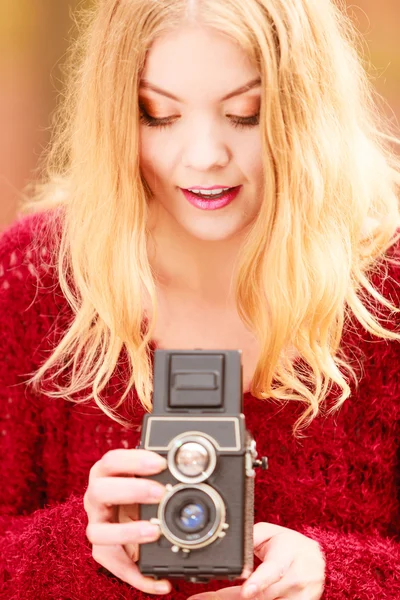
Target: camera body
{"points": [[206, 516]]}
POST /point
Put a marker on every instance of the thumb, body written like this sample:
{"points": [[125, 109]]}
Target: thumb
{"points": [[263, 533], [273, 549], [231, 593]]}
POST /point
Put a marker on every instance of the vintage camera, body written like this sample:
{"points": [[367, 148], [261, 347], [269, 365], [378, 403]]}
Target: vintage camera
{"points": [[197, 423]]}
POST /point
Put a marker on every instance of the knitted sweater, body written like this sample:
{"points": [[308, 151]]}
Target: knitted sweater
{"points": [[339, 485]]}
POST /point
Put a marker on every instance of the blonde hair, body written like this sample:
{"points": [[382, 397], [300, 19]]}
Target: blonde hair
{"points": [[329, 166]]}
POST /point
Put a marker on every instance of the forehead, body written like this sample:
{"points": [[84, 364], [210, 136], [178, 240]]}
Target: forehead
{"points": [[196, 60]]}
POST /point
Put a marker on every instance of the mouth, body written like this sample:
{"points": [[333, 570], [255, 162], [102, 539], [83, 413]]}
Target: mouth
{"points": [[211, 202], [206, 194]]}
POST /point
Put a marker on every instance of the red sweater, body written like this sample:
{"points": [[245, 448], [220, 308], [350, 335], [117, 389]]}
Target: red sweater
{"points": [[339, 485]]}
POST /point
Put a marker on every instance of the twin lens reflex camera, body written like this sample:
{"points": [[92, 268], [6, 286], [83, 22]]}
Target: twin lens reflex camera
{"points": [[206, 516]]}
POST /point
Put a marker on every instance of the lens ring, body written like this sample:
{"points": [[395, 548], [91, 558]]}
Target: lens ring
{"points": [[212, 533], [199, 438]]}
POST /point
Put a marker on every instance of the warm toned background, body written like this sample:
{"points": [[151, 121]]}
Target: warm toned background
{"points": [[34, 37]]}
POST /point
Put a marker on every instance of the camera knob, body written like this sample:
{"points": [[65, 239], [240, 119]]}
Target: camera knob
{"points": [[263, 463]]}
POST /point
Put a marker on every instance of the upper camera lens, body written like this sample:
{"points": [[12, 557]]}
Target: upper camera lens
{"points": [[192, 459]]}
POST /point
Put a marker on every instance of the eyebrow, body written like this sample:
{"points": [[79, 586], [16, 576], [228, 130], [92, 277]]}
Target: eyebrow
{"points": [[244, 88]]}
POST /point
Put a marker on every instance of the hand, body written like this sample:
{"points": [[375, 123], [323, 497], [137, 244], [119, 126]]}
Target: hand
{"points": [[293, 568], [108, 488]]}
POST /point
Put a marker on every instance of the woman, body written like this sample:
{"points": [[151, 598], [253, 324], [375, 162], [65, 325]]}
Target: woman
{"points": [[266, 105]]}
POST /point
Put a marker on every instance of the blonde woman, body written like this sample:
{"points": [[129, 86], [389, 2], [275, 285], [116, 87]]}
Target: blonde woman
{"points": [[121, 249]]}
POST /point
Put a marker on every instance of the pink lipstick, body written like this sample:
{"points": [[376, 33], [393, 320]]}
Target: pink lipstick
{"points": [[213, 203]]}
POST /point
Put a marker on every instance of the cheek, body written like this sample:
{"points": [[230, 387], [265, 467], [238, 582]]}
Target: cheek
{"points": [[149, 161], [146, 152], [250, 157], [154, 160]]}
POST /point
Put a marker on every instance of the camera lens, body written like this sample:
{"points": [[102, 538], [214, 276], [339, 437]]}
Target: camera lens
{"points": [[192, 459], [193, 517]]}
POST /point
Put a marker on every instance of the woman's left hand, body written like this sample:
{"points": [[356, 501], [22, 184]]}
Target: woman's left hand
{"points": [[293, 568]]}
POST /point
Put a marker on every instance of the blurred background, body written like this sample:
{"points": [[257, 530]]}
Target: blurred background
{"points": [[34, 35]]}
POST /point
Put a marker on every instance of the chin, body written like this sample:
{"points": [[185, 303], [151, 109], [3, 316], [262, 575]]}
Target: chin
{"points": [[213, 235]]}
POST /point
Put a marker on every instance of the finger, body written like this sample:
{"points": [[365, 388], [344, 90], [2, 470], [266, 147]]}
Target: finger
{"points": [[108, 534], [125, 490], [263, 533], [119, 564], [270, 543], [231, 593], [265, 575], [128, 462]]}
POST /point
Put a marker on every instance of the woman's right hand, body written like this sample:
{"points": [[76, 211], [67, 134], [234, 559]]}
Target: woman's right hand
{"points": [[112, 482]]}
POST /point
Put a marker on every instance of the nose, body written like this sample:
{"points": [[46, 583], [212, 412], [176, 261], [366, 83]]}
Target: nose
{"points": [[205, 149]]}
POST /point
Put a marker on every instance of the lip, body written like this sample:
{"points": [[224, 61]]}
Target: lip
{"points": [[212, 204]]}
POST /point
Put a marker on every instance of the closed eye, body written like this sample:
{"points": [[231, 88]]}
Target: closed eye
{"points": [[240, 122]]}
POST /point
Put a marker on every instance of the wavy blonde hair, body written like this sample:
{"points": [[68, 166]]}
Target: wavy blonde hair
{"points": [[330, 168]]}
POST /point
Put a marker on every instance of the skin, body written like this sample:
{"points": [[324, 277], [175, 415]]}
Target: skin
{"points": [[194, 250]]}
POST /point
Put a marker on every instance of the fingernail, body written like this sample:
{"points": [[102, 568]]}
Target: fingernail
{"points": [[157, 462], [157, 492], [161, 588], [149, 531], [250, 590]]}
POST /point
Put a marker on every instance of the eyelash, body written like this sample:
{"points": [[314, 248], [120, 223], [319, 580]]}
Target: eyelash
{"points": [[239, 122]]}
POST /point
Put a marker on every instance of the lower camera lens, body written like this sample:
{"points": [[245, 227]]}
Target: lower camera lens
{"points": [[193, 517]]}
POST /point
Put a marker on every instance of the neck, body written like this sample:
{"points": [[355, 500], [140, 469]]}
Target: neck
{"points": [[196, 268]]}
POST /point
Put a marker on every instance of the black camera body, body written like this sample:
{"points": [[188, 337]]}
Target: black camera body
{"points": [[206, 516]]}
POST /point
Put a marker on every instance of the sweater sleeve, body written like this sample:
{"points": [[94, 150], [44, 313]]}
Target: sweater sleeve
{"points": [[44, 551], [362, 566], [366, 566]]}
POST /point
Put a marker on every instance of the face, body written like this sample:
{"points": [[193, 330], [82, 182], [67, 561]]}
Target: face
{"points": [[200, 138]]}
